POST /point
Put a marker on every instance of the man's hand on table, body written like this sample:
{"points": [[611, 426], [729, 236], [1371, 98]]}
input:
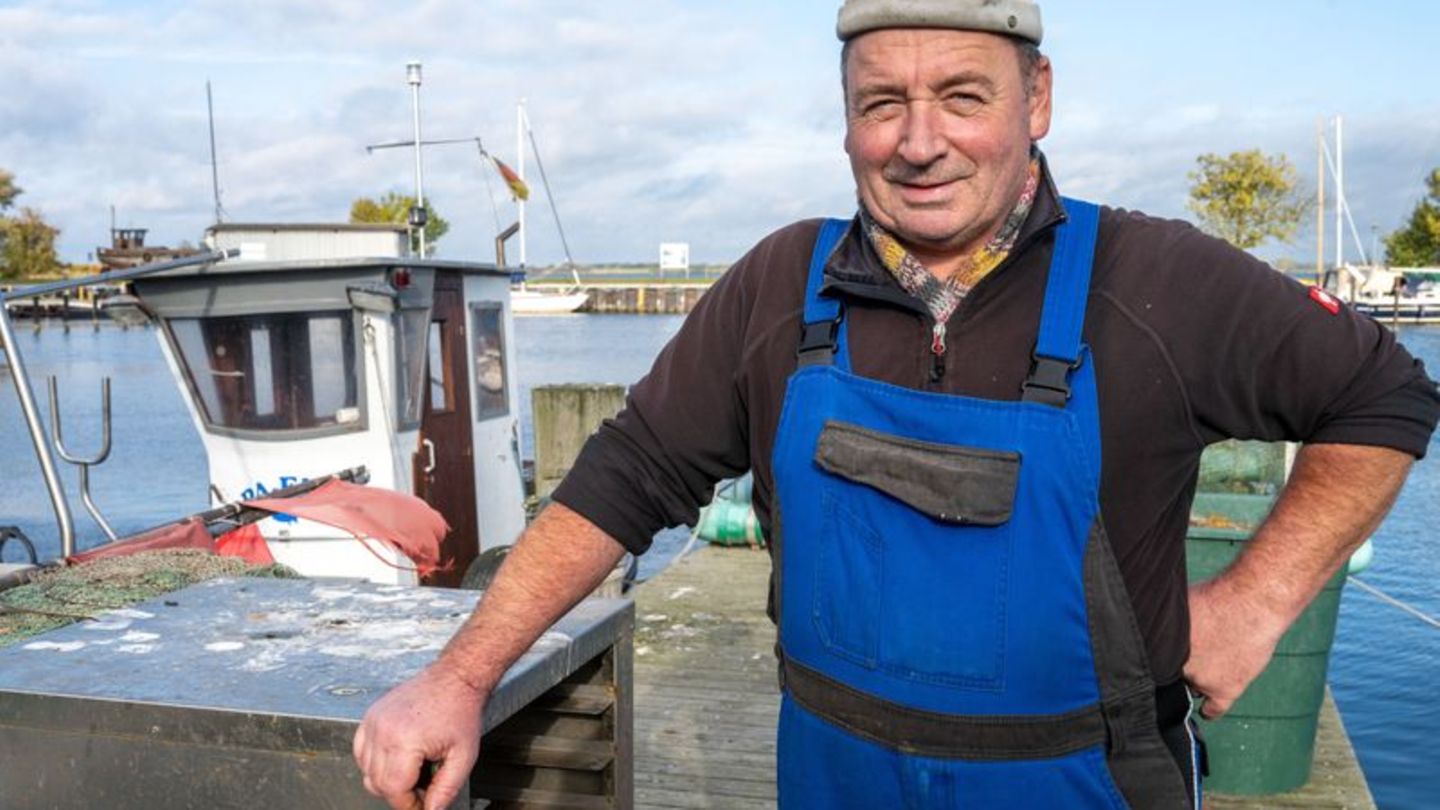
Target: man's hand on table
{"points": [[433, 717]]}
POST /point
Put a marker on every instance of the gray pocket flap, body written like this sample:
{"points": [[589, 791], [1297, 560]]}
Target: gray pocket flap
{"points": [[962, 485]]}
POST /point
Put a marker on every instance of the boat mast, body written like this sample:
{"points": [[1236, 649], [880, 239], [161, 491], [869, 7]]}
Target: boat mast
{"points": [[214, 165], [417, 214], [1339, 191], [1320, 205], [520, 125]]}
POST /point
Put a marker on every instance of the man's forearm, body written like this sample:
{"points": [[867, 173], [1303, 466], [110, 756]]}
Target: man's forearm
{"points": [[1336, 497], [556, 563]]}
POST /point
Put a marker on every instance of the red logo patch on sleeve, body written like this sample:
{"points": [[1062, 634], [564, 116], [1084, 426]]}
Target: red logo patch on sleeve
{"points": [[1326, 300]]}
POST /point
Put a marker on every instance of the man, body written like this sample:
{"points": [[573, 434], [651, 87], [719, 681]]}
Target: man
{"points": [[974, 610]]}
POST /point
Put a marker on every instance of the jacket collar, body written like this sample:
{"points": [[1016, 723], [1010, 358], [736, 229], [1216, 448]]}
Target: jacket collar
{"points": [[854, 268]]}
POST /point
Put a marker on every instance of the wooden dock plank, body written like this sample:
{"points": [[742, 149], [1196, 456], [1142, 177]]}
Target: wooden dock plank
{"points": [[706, 695], [706, 698]]}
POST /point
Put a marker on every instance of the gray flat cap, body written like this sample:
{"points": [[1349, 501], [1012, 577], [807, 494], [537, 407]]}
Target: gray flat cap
{"points": [[1017, 18]]}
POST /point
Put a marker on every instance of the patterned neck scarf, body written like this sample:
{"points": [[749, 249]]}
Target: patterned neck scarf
{"points": [[942, 297]]}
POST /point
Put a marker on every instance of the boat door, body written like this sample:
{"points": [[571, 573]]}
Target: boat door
{"points": [[444, 463]]}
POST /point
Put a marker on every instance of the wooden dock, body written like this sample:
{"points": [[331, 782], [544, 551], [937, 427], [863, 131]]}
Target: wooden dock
{"points": [[654, 299], [706, 697]]}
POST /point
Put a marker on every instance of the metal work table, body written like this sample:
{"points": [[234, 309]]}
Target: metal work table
{"points": [[247, 692]]}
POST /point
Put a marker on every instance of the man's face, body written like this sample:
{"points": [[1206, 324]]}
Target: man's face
{"points": [[939, 127]]}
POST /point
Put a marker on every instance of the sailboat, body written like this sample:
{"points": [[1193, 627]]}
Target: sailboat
{"points": [[525, 300]]}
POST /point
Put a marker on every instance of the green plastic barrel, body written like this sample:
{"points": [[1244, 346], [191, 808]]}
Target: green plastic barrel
{"points": [[1249, 467], [728, 523], [1266, 742]]}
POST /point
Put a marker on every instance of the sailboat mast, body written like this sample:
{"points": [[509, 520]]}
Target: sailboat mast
{"points": [[1339, 191], [1320, 204], [520, 125]]}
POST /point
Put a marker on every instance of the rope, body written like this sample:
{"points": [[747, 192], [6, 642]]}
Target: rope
{"points": [[1387, 598], [550, 198], [377, 555], [489, 190]]}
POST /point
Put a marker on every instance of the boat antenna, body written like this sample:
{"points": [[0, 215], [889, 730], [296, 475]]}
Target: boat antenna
{"points": [[550, 198], [214, 165], [371, 148], [418, 214]]}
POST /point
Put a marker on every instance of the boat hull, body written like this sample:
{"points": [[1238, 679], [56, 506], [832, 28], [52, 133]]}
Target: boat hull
{"points": [[532, 302], [1406, 313]]}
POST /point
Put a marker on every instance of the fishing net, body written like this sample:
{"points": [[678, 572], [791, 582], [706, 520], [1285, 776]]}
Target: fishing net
{"points": [[61, 596]]}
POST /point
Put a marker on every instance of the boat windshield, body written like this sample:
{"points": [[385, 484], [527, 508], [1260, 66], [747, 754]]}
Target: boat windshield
{"points": [[272, 372], [410, 357]]}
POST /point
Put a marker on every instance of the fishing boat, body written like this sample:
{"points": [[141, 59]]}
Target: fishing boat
{"points": [[295, 358], [317, 348], [310, 358]]}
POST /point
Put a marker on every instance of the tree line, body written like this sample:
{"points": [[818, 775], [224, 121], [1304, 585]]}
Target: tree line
{"points": [[1249, 198], [27, 241]]}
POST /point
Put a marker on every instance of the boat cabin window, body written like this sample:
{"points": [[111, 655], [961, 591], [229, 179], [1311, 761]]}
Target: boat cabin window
{"points": [[439, 369], [272, 372], [492, 391], [411, 332]]}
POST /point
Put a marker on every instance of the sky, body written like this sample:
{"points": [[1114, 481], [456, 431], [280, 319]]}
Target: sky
{"points": [[711, 122]]}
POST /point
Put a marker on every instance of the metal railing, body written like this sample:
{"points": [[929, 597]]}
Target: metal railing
{"points": [[26, 393]]}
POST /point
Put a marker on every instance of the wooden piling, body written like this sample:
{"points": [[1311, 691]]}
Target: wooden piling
{"points": [[565, 416], [647, 299]]}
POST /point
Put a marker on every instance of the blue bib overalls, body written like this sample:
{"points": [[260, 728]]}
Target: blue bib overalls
{"points": [[954, 631]]}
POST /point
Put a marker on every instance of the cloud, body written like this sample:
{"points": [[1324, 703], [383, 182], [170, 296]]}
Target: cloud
{"points": [[639, 107], [711, 123]]}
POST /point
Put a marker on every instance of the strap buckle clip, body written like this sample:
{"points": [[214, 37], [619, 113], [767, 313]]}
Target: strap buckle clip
{"points": [[1048, 381], [819, 341]]}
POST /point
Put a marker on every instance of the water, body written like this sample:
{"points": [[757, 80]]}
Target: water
{"points": [[1381, 671], [156, 471], [1383, 667]]}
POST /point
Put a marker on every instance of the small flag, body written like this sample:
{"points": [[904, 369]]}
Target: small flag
{"points": [[517, 186], [1326, 300]]}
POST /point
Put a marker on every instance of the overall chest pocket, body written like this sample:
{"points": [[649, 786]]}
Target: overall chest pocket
{"points": [[913, 569]]}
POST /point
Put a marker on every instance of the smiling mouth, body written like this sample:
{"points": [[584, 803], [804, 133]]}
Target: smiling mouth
{"points": [[927, 192]]}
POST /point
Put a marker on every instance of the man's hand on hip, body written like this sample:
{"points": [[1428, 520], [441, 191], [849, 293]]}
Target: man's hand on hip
{"points": [[1230, 645], [433, 717], [1336, 496]]}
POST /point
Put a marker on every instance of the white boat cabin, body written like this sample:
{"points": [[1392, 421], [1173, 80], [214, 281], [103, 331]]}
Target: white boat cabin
{"points": [[297, 368]]}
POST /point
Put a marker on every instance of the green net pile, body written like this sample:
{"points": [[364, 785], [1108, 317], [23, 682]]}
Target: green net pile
{"points": [[61, 596]]}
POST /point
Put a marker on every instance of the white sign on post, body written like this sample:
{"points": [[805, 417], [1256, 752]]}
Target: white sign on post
{"points": [[675, 256]]}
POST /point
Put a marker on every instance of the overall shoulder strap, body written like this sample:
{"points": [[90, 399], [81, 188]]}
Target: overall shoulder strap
{"points": [[820, 333], [1062, 316]]}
